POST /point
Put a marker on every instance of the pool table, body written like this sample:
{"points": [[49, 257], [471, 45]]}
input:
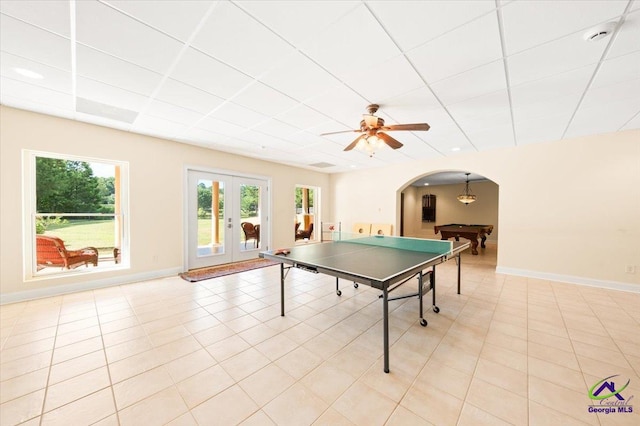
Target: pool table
{"points": [[470, 232]]}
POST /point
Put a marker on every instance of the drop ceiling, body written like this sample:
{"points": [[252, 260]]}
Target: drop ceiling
{"points": [[264, 79]]}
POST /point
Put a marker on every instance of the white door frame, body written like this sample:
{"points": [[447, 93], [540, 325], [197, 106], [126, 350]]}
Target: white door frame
{"points": [[265, 234]]}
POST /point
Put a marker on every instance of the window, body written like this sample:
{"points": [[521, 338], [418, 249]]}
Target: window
{"points": [[74, 215], [306, 200]]}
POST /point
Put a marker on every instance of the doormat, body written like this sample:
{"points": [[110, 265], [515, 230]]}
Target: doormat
{"points": [[226, 269]]}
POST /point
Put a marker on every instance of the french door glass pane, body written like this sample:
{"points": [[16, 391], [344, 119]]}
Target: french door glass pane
{"points": [[210, 217]]}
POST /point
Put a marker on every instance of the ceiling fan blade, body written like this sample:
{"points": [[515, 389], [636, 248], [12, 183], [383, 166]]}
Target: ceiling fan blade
{"points": [[414, 127], [354, 143], [343, 131], [389, 140]]}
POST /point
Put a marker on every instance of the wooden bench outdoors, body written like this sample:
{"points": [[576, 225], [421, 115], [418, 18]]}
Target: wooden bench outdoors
{"points": [[50, 252]]}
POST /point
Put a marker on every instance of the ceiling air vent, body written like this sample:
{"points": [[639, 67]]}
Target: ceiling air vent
{"points": [[322, 165], [599, 32], [111, 112]]}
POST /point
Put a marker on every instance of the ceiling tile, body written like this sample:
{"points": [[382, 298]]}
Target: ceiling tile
{"points": [[541, 129], [173, 113], [116, 72], [239, 115], [46, 99], [345, 47], [476, 82], [341, 103], [385, 80], [276, 128], [557, 106], [626, 39], [612, 93], [183, 95], [482, 112], [531, 23], [412, 23], [103, 28], [476, 43], [52, 78], [254, 49], [411, 107], [493, 137], [53, 16], [158, 127], [260, 97], [303, 117], [297, 21], [221, 127], [603, 117], [103, 121], [556, 57], [176, 18], [109, 95], [299, 77], [206, 73], [33, 43]]}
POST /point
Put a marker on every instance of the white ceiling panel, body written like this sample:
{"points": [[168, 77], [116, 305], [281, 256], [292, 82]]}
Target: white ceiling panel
{"points": [[104, 28], [467, 85], [177, 18], [531, 23], [620, 69], [239, 76], [109, 95], [30, 42], [116, 72], [299, 76], [298, 21], [202, 71], [556, 57], [386, 80], [53, 16], [183, 95], [345, 47], [260, 97], [174, 113], [254, 49], [627, 36], [415, 22], [24, 93], [239, 115], [220, 127], [474, 44], [601, 117], [52, 78]]}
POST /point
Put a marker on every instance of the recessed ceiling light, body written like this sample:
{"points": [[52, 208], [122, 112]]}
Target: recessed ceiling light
{"points": [[455, 149], [426, 184], [28, 73]]}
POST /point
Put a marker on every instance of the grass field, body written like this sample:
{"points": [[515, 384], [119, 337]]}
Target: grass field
{"points": [[77, 234]]}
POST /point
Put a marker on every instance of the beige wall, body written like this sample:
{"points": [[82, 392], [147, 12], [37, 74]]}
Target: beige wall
{"points": [[157, 171], [449, 210], [568, 210]]}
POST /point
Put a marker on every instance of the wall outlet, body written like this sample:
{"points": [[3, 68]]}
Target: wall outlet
{"points": [[630, 269]]}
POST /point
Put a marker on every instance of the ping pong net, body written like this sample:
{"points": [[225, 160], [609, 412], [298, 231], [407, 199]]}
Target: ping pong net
{"points": [[403, 243]]}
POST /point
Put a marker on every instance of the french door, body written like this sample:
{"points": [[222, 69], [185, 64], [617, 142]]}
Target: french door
{"points": [[226, 218]]}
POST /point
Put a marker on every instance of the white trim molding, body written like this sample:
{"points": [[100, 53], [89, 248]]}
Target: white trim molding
{"points": [[590, 282]]}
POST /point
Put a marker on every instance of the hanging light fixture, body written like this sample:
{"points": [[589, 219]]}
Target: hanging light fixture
{"points": [[466, 197]]}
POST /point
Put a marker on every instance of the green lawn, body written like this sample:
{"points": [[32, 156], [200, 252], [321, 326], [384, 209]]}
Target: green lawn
{"points": [[77, 234]]}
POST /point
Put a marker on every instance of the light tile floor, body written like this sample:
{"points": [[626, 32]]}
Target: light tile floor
{"points": [[508, 350]]}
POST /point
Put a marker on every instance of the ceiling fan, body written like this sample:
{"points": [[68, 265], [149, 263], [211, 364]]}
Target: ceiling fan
{"points": [[372, 135]]}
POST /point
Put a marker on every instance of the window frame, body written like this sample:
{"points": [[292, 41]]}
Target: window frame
{"points": [[29, 210]]}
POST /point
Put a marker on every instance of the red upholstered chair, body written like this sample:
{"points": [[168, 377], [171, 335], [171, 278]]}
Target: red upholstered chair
{"points": [[250, 232], [50, 251], [304, 233]]}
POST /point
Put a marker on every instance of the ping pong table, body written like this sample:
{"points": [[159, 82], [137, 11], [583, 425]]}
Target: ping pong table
{"points": [[381, 262]]}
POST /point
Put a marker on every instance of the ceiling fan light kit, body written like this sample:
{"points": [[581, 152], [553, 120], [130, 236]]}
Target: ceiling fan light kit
{"points": [[371, 136]]}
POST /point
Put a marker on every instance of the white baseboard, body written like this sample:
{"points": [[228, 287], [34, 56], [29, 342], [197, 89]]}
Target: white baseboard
{"points": [[21, 296], [613, 285]]}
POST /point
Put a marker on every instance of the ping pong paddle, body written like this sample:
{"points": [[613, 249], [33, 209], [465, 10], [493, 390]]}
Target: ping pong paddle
{"points": [[282, 251]]}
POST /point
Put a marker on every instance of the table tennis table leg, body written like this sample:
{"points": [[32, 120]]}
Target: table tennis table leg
{"points": [[385, 321], [282, 276], [459, 259], [432, 282]]}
